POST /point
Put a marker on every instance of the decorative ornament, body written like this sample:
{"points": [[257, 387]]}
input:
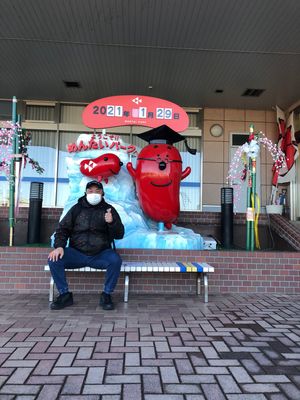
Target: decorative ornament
{"points": [[8, 132]]}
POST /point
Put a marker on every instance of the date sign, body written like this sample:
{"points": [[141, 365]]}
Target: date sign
{"points": [[134, 110]]}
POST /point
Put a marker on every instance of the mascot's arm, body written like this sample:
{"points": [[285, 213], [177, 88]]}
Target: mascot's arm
{"points": [[131, 170], [185, 173]]}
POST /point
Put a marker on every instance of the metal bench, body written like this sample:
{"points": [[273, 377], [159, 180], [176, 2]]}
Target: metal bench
{"points": [[201, 269]]}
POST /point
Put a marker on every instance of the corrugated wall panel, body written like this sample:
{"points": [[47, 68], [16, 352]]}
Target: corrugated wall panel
{"points": [[71, 114]]}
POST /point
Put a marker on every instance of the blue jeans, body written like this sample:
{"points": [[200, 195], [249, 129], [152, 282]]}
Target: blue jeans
{"points": [[107, 259]]}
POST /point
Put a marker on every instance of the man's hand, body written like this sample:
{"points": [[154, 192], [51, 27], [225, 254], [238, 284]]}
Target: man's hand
{"points": [[55, 254], [108, 216]]}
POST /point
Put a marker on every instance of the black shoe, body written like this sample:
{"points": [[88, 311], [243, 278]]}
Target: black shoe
{"points": [[106, 301], [62, 301]]}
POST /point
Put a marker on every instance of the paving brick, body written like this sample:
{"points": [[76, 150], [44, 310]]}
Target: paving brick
{"points": [[228, 384], [148, 352], [65, 360], [80, 397], [169, 375], [209, 352], [19, 354], [20, 389], [95, 375], [89, 363], [164, 397], [260, 388], [182, 388], [262, 359], [152, 384], [141, 370], [172, 355], [212, 370], [184, 366], [68, 371], [49, 392], [212, 391], [162, 346], [290, 390], [220, 346], [132, 359], [122, 379], [19, 376], [40, 347], [3, 379], [59, 341], [114, 367], [44, 380], [6, 371], [44, 367], [198, 378], [148, 362], [251, 366], [246, 397], [101, 389], [20, 363], [73, 384], [43, 356], [271, 378], [132, 391], [223, 363], [84, 353], [117, 341], [108, 356], [241, 375]]}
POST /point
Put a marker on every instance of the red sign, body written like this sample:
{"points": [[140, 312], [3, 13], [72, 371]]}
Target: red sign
{"points": [[134, 110]]}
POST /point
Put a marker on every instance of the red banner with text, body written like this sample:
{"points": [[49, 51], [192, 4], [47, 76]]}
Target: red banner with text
{"points": [[134, 110]]}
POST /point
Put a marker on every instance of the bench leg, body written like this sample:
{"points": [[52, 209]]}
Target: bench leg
{"points": [[198, 284], [51, 289], [126, 288], [205, 282]]}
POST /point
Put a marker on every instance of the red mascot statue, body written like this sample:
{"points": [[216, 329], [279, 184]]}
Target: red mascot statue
{"points": [[158, 174]]}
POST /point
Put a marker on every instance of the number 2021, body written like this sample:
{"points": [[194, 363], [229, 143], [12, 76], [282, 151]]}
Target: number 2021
{"points": [[110, 111]]}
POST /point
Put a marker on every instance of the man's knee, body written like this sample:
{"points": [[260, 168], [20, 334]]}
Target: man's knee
{"points": [[117, 260], [55, 264]]}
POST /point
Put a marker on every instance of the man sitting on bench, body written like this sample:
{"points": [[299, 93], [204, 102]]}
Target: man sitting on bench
{"points": [[90, 225]]}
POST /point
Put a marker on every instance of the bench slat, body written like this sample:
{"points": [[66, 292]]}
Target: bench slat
{"points": [[152, 267]]}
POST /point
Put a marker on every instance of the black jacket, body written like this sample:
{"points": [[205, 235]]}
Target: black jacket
{"points": [[84, 225]]}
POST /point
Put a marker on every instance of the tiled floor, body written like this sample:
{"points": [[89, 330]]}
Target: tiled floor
{"points": [[153, 348]]}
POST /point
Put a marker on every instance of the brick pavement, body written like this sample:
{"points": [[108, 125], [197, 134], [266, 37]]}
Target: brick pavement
{"points": [[236, 347]]}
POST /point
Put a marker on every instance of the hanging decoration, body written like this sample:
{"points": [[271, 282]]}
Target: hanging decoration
{"points": [[242, 168], [8, 131]]}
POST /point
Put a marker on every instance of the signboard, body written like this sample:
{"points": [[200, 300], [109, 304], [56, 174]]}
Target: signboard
{"points": [[134, 110]]}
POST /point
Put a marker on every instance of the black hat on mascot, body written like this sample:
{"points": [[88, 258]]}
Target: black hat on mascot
{"points": [[165, 135]]}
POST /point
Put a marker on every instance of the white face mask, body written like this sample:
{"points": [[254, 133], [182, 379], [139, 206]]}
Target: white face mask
{"points": [[93, 198]]}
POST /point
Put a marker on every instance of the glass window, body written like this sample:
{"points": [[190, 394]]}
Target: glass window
{"points": [[63, 189], [190, 187], [42, 148]]}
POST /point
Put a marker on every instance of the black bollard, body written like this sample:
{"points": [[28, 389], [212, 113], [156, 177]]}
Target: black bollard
{"points": [[35, 212], [227, 217]]}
